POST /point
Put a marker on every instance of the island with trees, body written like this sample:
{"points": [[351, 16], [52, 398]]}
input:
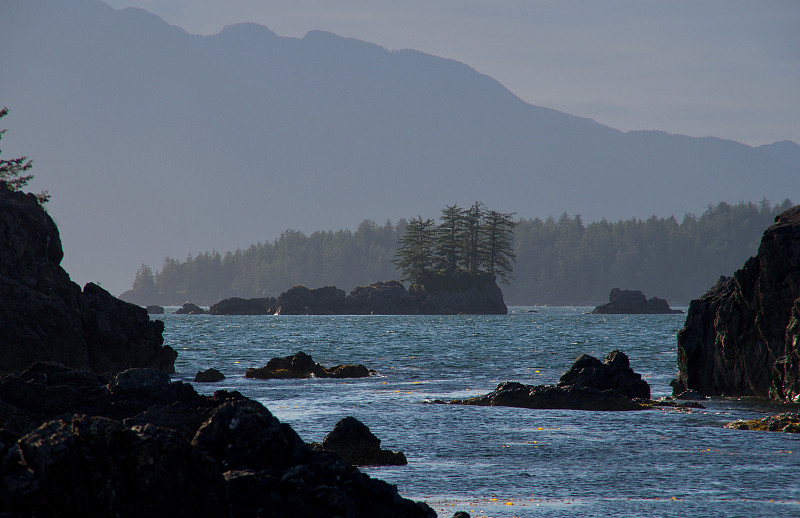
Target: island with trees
{"points": [[451, 267]]}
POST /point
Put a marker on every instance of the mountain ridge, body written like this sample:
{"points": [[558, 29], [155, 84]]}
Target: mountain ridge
{"points": [[155, 142]]}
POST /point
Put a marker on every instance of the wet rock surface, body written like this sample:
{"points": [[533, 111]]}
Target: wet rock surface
{"points": [[301, 365], [44, 316], [209, 376], [742, 337], [788, 422], [73, 443]]}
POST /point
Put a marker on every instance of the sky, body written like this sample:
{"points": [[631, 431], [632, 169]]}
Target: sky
{"points": [[723, 68]]}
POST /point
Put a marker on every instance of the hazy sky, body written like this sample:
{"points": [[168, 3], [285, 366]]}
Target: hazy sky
{"points": [[724, 68]]}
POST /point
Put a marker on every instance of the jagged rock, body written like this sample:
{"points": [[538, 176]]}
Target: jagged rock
{"points": [[587, 385], [239, 306], [301, 365], [190, 309], [154, 310], [788, 422], [741, 337], [633, 302], [73, 443], [460, 294], [209, 376], [381, 298], [46, 317], [613, 373], [353, 441]]}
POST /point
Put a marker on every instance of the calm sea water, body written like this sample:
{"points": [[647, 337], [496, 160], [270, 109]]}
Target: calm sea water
{"points": [[506, 462]]}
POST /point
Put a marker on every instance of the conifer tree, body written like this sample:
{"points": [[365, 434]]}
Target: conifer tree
{"points": [[414, 256], [449, 245], [12, 171], [498, 245]]}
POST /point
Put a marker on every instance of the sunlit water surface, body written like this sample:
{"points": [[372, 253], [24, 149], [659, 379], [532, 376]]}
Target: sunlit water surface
{"points": [[505, 462]]}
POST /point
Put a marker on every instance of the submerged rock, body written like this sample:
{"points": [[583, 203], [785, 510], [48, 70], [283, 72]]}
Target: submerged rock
{"points": [[44, 316], [588, 385], [742, 337], [301, 365], [73, 443], [633, 302], [353, 441]]}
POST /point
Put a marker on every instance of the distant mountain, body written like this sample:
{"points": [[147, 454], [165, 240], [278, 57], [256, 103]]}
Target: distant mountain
{"points": [[155, 142]]}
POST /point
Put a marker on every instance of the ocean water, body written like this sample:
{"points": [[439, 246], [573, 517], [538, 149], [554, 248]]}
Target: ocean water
{"points": [[508, 462]]}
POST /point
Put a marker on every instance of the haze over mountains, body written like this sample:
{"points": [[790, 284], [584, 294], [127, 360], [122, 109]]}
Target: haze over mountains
{"points": [[155, 142]]}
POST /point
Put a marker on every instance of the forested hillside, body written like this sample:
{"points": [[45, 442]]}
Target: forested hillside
{"points": [[559, 261]]}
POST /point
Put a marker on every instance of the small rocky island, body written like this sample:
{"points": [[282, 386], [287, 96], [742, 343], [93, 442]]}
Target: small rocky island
{"points": [[464, 294], [301, 365], [589, 384], [742, 338], [633, 302]]}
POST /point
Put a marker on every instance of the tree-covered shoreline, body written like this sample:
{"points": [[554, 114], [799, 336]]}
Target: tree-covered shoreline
{"points": [[559, 261]]}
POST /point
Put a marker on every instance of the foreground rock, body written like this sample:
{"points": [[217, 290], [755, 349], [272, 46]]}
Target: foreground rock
{"points": [[135, 444], [301, 365], [239, 306], [633, 302], [352, 440], [787, 422], [588, 385], [742, 338], [46, 316]]}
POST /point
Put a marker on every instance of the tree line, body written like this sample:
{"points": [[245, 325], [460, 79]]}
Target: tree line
{"points": [[558, 260], [476, 240]]}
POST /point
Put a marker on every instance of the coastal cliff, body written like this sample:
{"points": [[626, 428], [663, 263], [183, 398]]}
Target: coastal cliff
{"points": [[742, 337], [44, 316]]}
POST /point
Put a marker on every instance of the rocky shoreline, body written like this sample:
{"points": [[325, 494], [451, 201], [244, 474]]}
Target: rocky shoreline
{"points": [[475, 295], [742, 337], [135, 443]]}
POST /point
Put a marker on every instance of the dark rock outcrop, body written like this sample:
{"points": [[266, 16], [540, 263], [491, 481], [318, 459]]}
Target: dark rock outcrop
{"points": [[46, 316], [353, 441], [190, 309], [613, 373], [742, 336], [299, 300], [633, 302], [381, 298], [154, 310], [467, 294], [209, 376], [239, 306], [588, 385], [301, 365], [462, 294], [788, 422], [74, 443]]}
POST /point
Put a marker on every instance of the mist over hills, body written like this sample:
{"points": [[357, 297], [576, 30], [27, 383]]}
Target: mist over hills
{"points": [[156, 142]]}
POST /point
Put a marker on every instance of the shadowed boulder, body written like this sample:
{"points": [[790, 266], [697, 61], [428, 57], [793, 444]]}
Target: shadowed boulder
{"points": [[301, 365], [353, 441]]}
